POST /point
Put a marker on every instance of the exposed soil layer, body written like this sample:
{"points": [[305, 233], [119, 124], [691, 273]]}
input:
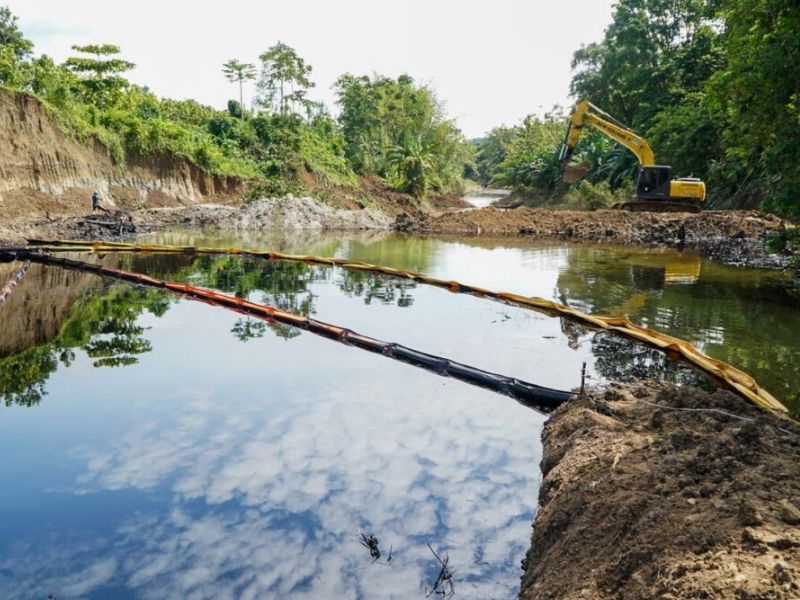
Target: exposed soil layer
{"points": [[45, 173], [734, 237], [655, 491]]}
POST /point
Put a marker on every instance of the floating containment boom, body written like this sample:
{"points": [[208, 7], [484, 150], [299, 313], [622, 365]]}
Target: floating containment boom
{"points": [[727, 374], [534, 396]]}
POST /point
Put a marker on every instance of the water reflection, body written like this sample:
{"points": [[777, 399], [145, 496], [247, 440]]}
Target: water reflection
{"points": [[103, 322], [746, 317], [259, 488], [208, 467], [621, 359]]}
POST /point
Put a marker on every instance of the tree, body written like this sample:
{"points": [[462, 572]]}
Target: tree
{"points": [[759, 90], [99, 74], [237, 71], [412, 166], [530, 161], [284, 79], [396, 129], [636, 70], [10, 35], [491, 150]]}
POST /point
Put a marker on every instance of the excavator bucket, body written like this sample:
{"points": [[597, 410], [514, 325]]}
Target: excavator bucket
{"points": [[573, 173]]}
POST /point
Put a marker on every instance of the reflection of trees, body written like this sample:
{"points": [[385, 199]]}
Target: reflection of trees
{"points": [[248, 329], [282, 284], [384, 289], [621, 359], [288, 286], [22, 376], [745, 317], [398, 251], [102, 323]]}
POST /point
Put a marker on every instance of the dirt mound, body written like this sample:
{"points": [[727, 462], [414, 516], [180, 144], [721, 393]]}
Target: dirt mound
{"points": [[735, 237], [288, 212], [666, 492]]}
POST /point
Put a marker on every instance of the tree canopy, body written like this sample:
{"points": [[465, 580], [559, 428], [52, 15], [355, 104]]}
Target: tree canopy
{"points": [[713, 85], [285, 79]]}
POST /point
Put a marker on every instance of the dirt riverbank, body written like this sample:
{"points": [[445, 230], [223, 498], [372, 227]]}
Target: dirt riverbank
{"points": [[733, 237], [653, 491]]}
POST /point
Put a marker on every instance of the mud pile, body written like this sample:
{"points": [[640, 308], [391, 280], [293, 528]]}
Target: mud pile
{"points": [[734, 237], [666, 492], [287, 213]]}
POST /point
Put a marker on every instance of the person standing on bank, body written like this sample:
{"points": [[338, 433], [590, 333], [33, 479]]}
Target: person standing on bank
{"points": [[96, 203]]}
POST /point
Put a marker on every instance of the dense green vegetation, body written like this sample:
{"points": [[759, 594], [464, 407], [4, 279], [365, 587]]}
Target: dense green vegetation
{"points": [[714, 85], [394, 129]]}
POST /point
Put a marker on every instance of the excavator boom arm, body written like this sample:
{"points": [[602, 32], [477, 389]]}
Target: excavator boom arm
{"points": [[586, 113]]}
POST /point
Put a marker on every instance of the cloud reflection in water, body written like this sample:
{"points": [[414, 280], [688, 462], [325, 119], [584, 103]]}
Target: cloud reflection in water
{"points": [[266, 495]]}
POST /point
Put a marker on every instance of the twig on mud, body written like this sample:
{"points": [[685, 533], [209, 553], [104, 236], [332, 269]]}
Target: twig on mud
{"points": [[371, 543], [443, 579]]}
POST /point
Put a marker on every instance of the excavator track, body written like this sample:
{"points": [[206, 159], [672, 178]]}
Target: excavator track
{"points": [[657, 206]]}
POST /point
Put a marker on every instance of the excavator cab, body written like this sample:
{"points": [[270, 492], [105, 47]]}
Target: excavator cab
{"points": [[653, 182]]}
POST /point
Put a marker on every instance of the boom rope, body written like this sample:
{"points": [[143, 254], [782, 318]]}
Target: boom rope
{"points": [[729, 375], [538, 397], [12, 283]]}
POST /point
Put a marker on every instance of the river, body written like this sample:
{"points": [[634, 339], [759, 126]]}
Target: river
{"points": [[160, 447]]}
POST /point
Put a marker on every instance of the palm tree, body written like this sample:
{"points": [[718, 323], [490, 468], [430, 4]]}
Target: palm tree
{"points": [[411, 163], [238, 71]]}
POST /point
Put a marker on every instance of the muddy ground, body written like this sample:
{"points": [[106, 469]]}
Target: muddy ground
{"points": [[654, 491], [733, 237]]}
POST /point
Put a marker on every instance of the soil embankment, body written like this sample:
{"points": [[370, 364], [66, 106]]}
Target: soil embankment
{"points": [[734, 237], [665, 492], [43, 172]]}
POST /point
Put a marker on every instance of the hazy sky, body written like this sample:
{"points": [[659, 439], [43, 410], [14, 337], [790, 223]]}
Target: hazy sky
{"points": [[491, 63]]}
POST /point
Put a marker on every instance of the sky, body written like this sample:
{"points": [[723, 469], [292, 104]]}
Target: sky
{"points": [[490, 63]]}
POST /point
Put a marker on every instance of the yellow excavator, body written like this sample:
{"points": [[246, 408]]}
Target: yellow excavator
{"points": [[654, 189]]}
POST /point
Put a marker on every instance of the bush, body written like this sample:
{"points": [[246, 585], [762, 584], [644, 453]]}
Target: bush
{"points": [[593, 196]]}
